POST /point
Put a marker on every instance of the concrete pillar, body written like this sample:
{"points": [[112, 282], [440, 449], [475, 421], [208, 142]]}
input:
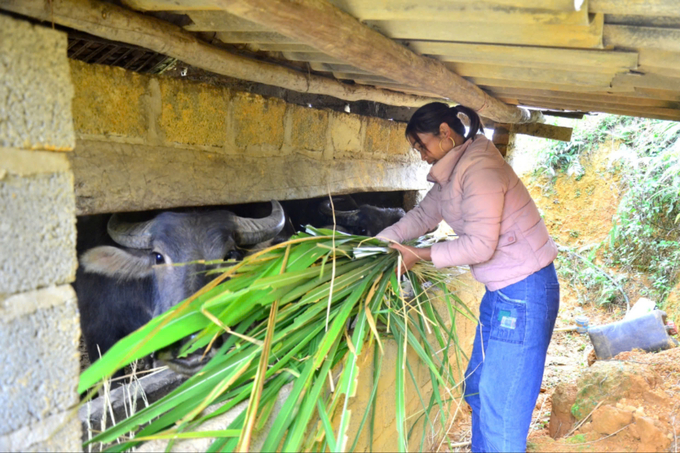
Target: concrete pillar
{"points": [[39, 327]]}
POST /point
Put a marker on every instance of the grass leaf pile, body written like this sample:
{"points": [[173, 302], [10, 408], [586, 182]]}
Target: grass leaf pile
{"points": [[299, 313]]}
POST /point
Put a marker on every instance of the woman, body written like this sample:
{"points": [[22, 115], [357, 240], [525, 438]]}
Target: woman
{"points": [[504, 240]]}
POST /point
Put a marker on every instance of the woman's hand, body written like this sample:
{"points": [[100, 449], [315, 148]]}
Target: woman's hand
{"points": [[411, 255]]}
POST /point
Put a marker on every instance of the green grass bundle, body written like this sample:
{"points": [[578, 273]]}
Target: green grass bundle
{"points": [[295, 313]]}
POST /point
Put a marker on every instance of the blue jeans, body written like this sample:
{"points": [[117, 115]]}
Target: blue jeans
{"points": [[503, 378]]}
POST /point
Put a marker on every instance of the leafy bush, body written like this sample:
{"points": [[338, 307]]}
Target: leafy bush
{"points": [[645, 237], [646, 232], [589, 132]]}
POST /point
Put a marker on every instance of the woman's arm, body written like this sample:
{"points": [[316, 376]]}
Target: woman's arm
{"points": [[418, 221]]}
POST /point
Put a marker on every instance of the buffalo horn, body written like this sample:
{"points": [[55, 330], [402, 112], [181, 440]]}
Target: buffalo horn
{"points": [[136, 235], [253, 231], [349, 218]]}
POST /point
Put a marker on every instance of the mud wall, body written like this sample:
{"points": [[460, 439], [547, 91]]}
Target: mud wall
{"points": [[39, 326], [148, 142]]}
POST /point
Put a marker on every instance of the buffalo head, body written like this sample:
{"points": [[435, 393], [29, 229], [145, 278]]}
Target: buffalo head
{"points": [[364, 220]]}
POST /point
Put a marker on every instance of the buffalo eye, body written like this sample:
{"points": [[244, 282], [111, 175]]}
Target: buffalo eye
{"points": [[233, 255], [158, 258]]}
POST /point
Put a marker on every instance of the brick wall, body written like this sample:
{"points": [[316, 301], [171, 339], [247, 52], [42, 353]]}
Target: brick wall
{"points": [[39, 327]]}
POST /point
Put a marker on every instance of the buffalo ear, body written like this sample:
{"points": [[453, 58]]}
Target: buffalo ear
{"points": [[117, 263]]}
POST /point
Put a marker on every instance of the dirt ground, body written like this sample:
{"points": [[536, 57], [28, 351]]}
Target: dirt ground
{"points": [[640, 410]]}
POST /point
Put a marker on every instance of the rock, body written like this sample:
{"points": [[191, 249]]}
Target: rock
{"points": [[610, 382], [561, 419], [608, 419], [652, 435]]}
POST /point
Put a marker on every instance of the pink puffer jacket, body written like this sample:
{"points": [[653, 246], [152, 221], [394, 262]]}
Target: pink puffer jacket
{"points": [[501, 235]]}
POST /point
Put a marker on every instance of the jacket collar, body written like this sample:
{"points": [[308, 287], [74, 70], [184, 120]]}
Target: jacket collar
{"points": [[442, 169]]}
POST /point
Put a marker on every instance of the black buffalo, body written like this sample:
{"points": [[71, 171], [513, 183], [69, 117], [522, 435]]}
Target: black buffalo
{"points": [[120, 288], [364, 220]]}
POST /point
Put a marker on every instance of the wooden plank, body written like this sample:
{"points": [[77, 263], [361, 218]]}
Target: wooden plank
{"points": [[630, 98], [254, 37], [441, 11], [627, 37], [643, 21], [504, 83], [339, 35], [372, 79], [654, 81], [326, 67], [602, 81], [666, 114], [171, 5], [531, 75], [402, 89], [544, 131], [278, 47], [523, 56], [186, 5], [571, 36], [311, 57], [220, 21], [119, 24], [591, 102], [641, 7], [658, 94], [659, 62]]}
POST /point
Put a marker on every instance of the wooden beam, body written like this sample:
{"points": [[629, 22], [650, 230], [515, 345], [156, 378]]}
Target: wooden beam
{"points": [[332, 67], [659, 61], [544, 131], [589, 103], [437, 10], [627, 37], [185, 5], [654, 81], [601, 80], [339, 35], [635, 7], [311, 57], [283, 47], [509, 83], [628, 99], [633, 93], [664, 114], [246, 37], [118, 24], [574, 115], [537, 57], [219, 21], [585, 37], [598, 80]]}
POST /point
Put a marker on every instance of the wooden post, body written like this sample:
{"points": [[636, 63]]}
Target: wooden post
{"points": [[502, 137]]}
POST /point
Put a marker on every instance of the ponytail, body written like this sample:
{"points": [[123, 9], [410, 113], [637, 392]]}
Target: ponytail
{"points": [[475, 122], [429, 117]]}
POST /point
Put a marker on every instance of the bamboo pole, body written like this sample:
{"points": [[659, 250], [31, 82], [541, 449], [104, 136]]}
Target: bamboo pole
{"points": [[118, 24], [320, 24]]}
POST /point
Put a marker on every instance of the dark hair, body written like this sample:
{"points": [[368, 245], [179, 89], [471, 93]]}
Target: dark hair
{"points": [[429, 117]]}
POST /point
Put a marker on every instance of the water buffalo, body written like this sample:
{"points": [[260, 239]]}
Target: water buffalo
{"points": [[364, 220], [122, 287]]}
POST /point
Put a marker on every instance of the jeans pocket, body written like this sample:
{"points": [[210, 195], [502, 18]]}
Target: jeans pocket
{"points": [[508, 323]]}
